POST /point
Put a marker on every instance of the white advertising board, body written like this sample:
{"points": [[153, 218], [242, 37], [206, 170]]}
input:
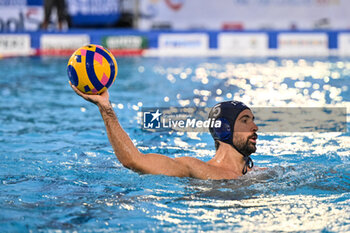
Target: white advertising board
{"points": [[243, 44], [183, 43], [61, 42], [15, 45], [344, 44], [302, 44], [244, 14]]}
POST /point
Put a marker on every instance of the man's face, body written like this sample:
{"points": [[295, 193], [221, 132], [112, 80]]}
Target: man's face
{"points": [[244, 136]]}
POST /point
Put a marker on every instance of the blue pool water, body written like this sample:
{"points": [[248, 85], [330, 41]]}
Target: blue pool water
{"points": [[59, 174]]}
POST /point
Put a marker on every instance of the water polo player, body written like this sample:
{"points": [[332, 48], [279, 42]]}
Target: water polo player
{"points": [[235, 141]]}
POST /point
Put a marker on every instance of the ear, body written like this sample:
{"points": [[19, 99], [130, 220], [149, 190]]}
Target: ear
{"points": [[223, 133]]}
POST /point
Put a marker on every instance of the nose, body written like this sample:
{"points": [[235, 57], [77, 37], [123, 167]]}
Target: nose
{"points": [[254, 128]]}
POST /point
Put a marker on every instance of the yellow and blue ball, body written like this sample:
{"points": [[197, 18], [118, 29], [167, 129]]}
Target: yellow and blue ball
{"points": [[92, 69]]}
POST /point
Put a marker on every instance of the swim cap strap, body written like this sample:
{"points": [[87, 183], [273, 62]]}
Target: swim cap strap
{"points": [[248, 164]]}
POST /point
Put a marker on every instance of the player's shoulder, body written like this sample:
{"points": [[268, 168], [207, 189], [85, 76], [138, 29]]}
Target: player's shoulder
{"points": [[189, 160], [194, 163], [203, 170]]}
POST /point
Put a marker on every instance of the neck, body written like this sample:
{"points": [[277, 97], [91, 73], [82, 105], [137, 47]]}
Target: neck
{"points": [[229, 158]]}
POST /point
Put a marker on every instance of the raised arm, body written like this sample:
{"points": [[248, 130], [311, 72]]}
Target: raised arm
{"points": [[124, 148], [131, 157]]}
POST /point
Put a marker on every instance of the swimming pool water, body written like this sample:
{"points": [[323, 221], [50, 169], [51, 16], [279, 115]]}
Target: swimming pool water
{"points": [[59, 174]]}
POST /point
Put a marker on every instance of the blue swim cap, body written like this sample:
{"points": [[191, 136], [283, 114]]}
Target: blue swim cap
{"points": [[227, 112]]}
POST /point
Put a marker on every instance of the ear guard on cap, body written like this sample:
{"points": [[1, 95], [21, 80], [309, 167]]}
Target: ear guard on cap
{"points": [[224, 132]]}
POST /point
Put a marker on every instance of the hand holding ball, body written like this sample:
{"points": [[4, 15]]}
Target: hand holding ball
{"points": [[92, 69]]}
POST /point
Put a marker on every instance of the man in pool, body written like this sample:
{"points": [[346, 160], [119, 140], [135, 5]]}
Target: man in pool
{"points": [[235, 141]]}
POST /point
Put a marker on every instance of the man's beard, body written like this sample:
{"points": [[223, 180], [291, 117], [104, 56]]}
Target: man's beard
{"points": [[244, 145]]}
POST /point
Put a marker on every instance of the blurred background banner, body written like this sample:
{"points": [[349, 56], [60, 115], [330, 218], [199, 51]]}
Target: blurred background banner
{"points": [[27, 15], [177, 27], [20, 15], [244, 14], [93, 12]]}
